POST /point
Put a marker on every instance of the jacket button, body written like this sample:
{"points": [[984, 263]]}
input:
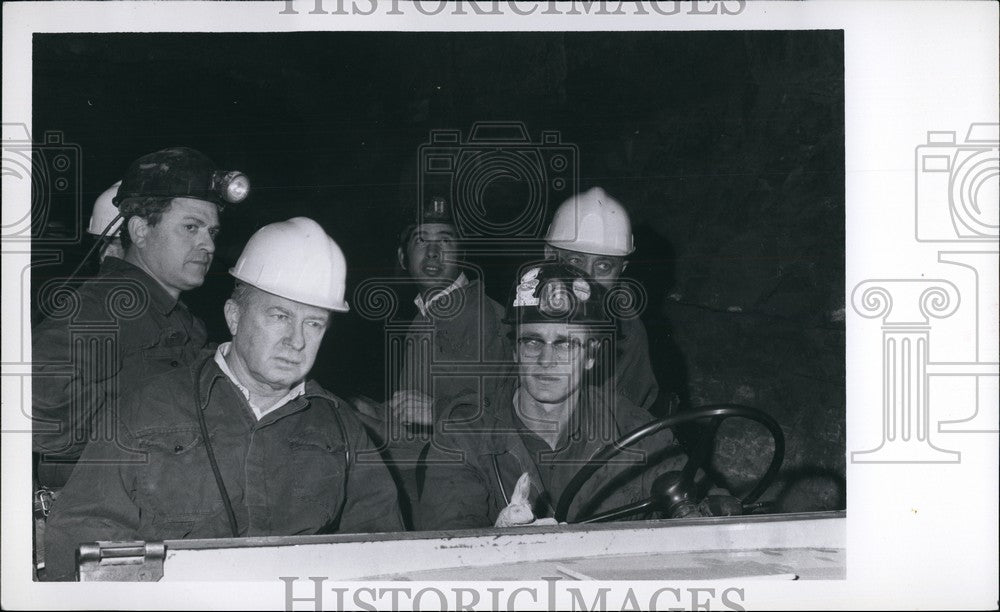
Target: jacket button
{"points": [[175, 363], [486, 402]]}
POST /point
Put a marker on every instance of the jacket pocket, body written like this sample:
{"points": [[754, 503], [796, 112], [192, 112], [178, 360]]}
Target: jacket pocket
{"points": [[317, 472], [177, 487], [159, 359]]}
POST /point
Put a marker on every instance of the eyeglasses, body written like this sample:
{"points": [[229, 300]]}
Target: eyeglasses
{"points": [[531, 348]]}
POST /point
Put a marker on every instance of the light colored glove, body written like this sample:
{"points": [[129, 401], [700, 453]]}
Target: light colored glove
{"points": [[518, 511], [412, 407], [368, 408]]}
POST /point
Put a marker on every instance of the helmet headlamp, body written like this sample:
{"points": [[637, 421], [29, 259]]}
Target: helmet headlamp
{"points": [[181, 172], [232, 186]]}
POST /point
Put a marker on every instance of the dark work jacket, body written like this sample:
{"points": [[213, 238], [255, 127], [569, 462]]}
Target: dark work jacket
{"points": [[634, 376], [463, 328], [461, 347], [98, 343], [307, 467], [481, 451]]}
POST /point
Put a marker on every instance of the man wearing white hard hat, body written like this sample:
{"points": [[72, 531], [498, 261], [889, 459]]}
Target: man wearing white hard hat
{"points": [[591, 231], [106, 224], [283, 456]]}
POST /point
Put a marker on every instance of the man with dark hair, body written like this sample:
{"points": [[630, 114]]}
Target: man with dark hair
{"points": [[509, 465], [454, 339], [239, 443], [128, 323], [464, 323]]}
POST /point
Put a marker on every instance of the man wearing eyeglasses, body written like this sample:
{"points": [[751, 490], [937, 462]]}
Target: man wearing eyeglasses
{"points": [[506, 460]]}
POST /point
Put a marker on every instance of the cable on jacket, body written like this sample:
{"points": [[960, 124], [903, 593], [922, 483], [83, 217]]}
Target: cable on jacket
{"points": [[496, 470], [211, 453]]}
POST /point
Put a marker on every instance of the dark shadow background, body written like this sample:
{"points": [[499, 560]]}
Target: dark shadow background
{"points": [[727, 148]]}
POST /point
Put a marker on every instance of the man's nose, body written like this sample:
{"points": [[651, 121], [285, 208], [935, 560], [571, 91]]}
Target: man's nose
{"points": [[547, 356], [433, 251], [206, 242], [296, 338]]}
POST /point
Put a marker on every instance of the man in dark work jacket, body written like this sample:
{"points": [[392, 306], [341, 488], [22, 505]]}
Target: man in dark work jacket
{"points": [[103, 337], [508, 459], [457, 329], [240, 443]]}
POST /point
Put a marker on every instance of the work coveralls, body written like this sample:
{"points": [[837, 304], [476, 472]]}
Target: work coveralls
{"points": [[100, 340], [461, 329], [481, 450], [307, 467], [455, 345]]}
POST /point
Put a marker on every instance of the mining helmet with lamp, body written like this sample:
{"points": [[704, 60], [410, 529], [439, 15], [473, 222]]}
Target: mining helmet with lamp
{"points": [[295, 259], [104, 213], [592, 222], [180, 172], [553, 292], [434, 209]]}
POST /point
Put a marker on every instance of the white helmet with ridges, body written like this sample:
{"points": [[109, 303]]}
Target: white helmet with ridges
{"points": [[592, 222], [295, 259], [104, 212]]}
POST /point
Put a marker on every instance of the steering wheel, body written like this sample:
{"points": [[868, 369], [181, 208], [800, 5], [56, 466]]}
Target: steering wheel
{"points": [[669, 489]]}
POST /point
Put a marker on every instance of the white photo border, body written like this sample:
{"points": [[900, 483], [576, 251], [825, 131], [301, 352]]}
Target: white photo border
{"points": [[922, 514]]}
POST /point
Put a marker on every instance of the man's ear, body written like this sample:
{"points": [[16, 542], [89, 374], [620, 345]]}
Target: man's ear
{"points": [[138, 231], [232, 312], [550, 253], [624, 265], [401, 257]]}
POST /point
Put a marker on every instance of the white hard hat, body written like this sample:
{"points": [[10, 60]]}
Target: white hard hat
{"points": [[104, 212], [295, 259], [592, 222]]}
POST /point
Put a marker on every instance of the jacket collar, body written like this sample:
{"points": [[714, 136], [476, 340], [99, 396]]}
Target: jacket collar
{"points": [[209, 373], [424, 306], [593, 412], [158, 296]]}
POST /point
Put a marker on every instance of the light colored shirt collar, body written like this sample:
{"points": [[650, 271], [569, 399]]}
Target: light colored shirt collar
{"points": [[294, 392], [424, 307]]}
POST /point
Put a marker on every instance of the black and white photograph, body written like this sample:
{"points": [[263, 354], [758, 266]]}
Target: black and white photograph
{"points": [[458, 307]]}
